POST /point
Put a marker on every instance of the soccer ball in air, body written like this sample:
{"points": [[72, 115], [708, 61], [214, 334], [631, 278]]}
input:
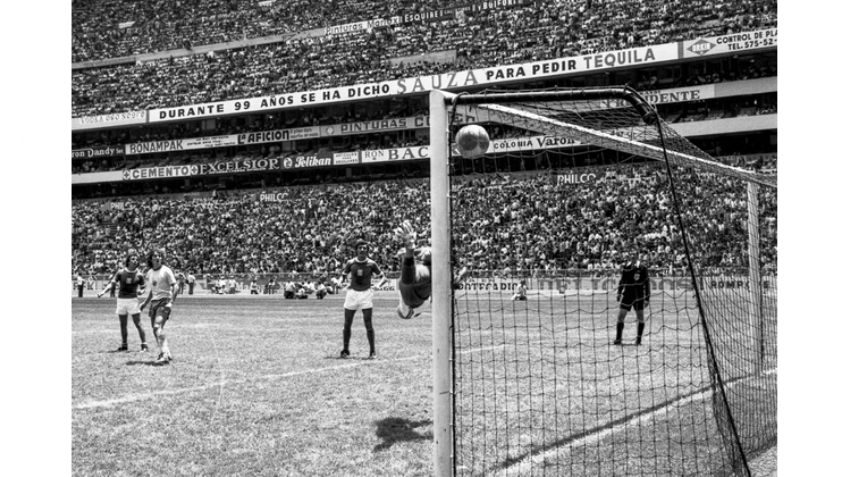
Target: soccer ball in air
{"points": [[472, 141]]}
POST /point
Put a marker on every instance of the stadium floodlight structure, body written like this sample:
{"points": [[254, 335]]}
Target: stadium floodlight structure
{"points": [[536, 387]]}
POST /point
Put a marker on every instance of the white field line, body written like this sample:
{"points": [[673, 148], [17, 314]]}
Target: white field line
{"points": [[223, 382], [525, 466]]}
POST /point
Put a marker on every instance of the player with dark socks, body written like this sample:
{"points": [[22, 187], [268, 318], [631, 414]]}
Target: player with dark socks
{"points": [[639, 329], [348, 322], [619, 328], [634, 292], [359, 271], [369, 332]]}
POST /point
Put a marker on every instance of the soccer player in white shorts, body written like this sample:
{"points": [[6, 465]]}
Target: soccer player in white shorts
{"points": [[360, 270], [128, 280], [163, 293]]}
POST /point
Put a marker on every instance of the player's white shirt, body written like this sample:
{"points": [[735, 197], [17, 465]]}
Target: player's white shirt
{"points": [[160, 282]]}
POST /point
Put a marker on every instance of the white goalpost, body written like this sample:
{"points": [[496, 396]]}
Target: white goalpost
{"points": [[441, 269], [517, 395]]}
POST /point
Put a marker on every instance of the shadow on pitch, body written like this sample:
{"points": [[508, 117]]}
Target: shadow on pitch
{"points": [[349, 358], [144, 363], [398, 429]]}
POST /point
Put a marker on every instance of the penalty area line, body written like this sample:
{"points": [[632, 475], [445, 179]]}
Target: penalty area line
{"points": [[223, 382]]}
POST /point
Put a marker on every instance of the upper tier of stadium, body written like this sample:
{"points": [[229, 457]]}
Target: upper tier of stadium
{"points": [[151, 54]]}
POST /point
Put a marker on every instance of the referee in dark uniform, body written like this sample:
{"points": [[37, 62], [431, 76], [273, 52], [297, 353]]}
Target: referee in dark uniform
{"points": [[634, 291]]}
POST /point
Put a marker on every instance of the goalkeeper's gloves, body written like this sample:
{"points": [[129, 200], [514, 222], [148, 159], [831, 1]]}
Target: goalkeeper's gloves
{"points": [[406, 234]]}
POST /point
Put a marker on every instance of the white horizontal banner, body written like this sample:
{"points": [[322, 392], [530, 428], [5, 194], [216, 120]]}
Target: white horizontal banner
{"points": [[419, 84], [732, 43]]}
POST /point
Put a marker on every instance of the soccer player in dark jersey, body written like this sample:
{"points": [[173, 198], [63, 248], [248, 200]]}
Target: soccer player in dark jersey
{"points": [[128, 281], [360, 270], [634, 291]]}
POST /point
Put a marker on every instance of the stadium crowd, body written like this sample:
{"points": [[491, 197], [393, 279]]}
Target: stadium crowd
{"points": [[503, 221], [527, 31]]}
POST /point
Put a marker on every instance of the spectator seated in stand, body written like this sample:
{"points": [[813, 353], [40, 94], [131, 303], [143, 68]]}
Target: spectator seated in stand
{"points": [[300, 63], [239, 235]]}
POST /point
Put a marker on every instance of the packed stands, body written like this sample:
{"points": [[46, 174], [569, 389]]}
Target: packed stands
{"points": [[311, 229], [527, 31]]}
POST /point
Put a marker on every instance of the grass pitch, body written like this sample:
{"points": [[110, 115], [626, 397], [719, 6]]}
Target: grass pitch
{"points": [[255, 388]]}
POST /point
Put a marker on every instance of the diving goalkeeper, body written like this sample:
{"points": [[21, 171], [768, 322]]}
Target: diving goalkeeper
{"points": [[414, 284]]}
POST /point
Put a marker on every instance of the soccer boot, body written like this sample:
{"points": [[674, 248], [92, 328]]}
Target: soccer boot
{"points": [[638, 341], [144, 348], [404, 312], [617, 341], [344, 354], [372, 355], [123, 347], [163, 359]]}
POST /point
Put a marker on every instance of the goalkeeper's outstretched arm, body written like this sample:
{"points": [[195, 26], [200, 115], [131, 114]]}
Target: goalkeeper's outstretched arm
{"points": [[408, 236]]}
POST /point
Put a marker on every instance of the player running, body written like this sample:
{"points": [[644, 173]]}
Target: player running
{"points": [[163, 292], [359, 296], [634, 291], [128, 281]]}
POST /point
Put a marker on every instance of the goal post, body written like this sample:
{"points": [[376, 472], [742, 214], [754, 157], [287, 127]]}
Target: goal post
{"points": [[441, 291], [536, 386]]}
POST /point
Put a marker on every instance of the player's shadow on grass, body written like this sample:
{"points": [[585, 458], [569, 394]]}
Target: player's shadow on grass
{"points": [[398, 429], [349, 358], [143, 363]]}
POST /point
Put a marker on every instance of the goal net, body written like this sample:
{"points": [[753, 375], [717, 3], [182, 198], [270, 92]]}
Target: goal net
{"points": [[575, 184]]}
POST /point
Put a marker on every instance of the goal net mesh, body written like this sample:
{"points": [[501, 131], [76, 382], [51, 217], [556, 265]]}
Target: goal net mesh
{"points": [[570, 190]]}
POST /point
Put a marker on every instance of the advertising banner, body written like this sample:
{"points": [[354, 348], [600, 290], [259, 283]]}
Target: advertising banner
{"points": [[376, 125], [395, 154], [346, 158], [187, 170], [322, 159], [420, 84], [96, 151], [639, 56], [279, 135], [172, 145], [527, 143], [664, 96], [732, 43], [108, 120]]}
